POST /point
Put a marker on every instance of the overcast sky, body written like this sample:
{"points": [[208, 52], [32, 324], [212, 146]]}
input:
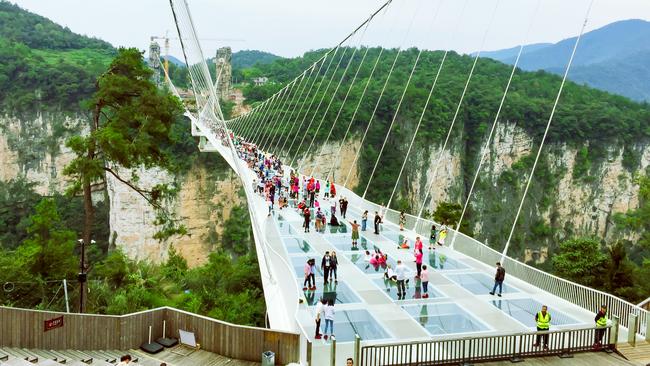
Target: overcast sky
{"points": [[291, 27]]}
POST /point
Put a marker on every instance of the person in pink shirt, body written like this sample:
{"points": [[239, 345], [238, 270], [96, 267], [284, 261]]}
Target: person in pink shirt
{"points": [[424, 277], [418, 261], [418, 244]]}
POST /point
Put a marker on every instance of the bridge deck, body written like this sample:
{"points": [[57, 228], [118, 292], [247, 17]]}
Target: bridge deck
{"points": [[459, 303]]}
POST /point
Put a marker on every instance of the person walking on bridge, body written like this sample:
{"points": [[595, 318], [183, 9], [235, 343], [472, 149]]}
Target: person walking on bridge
{"points": [[319, 313], [400, 272], [307, 215], [377, 222], [326, 194], [601, 324], [343, 204], [326, 266], [364, 220], [355, 233], [498, 279], [543, 319]]}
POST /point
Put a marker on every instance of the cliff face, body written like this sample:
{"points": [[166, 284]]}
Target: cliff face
{"points": [[561, 203], [35, 149], [203, 204]]}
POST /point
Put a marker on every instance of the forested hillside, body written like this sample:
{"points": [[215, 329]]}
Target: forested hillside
{"points": [[591, 129], [45, 66]]}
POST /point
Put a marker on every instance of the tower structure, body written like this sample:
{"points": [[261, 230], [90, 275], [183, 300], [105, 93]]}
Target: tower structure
{"points": [[224, 71], [154, 60]]}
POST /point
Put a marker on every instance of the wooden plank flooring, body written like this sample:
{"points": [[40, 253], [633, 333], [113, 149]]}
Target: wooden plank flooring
{"points": [[639, 355], [199, 357], [579, 359]]}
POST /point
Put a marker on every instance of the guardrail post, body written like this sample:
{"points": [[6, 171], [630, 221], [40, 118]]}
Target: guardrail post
{"points": [[566, 353], [647, 328], [631, 329], [357, 349], [333, 352], [613, 331]]}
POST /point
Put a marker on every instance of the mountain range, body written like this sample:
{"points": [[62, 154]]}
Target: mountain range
{"points": [[614, 58]]}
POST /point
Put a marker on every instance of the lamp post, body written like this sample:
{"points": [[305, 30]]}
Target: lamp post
{"points": [[82, 276]]}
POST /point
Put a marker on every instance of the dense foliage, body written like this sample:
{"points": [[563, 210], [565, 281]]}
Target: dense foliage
{"points": [[38, 254], [583, 113], [248, 58], [44, 66], [586, 261]]}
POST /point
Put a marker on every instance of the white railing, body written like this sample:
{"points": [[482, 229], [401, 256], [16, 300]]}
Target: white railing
{"points": [[583, 296]]}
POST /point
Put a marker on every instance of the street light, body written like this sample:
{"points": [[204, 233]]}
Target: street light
{"points": [[82, 277]]}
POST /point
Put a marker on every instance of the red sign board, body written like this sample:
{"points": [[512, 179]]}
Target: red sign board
{"points": [[53, 323]]}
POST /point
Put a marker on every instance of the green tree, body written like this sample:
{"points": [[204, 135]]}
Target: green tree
{"points": [[130, 128], [236, 237], [581, 260], [448, 213], [44, 258]]}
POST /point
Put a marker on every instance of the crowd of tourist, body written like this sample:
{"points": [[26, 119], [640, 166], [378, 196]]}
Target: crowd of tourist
{"points": [[274, 185]]}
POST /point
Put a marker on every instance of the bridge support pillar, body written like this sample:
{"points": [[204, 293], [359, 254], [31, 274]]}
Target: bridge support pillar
{"points": [[632, 324], [333, 352]]}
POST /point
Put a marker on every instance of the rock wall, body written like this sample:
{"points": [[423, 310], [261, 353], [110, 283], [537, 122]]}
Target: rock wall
{"points": [[203, 204], [577, 206], [34, 149]]}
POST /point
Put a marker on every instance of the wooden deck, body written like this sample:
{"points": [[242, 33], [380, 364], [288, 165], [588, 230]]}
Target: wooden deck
{"points": [[200, 357], [639, 355], [579, 359]]}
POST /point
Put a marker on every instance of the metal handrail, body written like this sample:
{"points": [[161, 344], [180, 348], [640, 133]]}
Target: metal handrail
{"points": [[580, 295], [487, 348]]}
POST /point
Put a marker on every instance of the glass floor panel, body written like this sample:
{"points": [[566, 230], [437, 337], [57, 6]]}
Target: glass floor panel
{"points": [[350, 322], [297, 246], [286, 229], [298, 263], [344, 243], [340, 292], [394, 236], [477, 283], [440, 261], [524, 311], [446, 318], [413, 289], [359, 260]]}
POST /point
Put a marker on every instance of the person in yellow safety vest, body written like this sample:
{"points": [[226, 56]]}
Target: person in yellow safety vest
{"points": [[601, 323], [543, 319]]}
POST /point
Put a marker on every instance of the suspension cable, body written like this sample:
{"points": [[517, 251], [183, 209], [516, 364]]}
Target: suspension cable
{"points": [[424, 109], [494, 124], [283, 120], [548, 125], [383, 90], [397, 110], [347, 93], [293, 110], [294, 102], [453, 122], [329, 105], [313, 99]]}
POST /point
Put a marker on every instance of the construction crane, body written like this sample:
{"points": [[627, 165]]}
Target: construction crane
{"points": [[166, 38]]}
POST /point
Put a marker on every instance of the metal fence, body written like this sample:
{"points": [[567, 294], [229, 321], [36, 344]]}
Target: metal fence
{"points": [[561, 343], [583, 296]]}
